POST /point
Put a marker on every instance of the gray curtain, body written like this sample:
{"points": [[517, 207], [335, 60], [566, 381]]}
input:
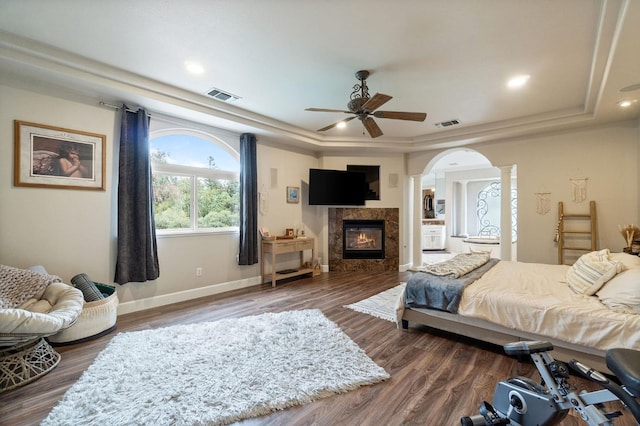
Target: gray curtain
{"points": [[137, 257], [248, 201]]}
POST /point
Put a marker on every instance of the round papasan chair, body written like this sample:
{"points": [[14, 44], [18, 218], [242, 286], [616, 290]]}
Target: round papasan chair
{"points": [[33, 305]]}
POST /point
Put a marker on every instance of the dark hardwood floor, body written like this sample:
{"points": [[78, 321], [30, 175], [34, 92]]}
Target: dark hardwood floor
{"points": [[435, 378]]}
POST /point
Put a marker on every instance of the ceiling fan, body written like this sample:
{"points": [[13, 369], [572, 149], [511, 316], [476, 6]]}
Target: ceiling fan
{"points": [[364, 108]]}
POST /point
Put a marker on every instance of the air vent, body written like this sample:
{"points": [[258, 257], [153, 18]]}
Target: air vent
{"points": [[448, 123], [222, 95]]}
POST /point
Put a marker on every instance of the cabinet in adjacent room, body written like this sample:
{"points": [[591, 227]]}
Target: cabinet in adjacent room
{"points": [[433, 237]]}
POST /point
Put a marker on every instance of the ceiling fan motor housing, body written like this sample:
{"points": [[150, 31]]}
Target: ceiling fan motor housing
{"points": [[355, 105]]}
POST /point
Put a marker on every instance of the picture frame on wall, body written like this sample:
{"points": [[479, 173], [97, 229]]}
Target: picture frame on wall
{"points": [[293, 194], [55, 157]]}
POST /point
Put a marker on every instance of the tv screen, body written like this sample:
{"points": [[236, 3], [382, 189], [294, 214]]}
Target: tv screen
{"points": [[337, 187]]}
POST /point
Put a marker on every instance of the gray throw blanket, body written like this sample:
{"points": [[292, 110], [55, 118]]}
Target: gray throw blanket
{"points": [[425, 290]]}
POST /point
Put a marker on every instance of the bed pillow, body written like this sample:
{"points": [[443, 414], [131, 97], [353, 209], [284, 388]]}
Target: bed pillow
{"points": [[622, 292], [630, 261], [591, 271]]}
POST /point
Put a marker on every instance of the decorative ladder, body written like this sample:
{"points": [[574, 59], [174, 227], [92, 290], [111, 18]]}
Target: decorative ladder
{"points": [[578, 236]]}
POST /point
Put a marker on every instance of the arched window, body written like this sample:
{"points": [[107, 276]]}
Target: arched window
{"points": [[488, 211], [195, 182]]}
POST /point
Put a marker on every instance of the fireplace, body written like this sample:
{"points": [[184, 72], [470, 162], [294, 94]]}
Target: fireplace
{"points": [[363, 239]]}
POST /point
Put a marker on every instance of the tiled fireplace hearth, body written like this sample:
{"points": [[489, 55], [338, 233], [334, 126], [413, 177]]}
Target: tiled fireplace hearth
{"points": [[362, 250]]}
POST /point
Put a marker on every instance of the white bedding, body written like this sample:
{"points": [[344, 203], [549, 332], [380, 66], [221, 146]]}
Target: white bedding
{"points": [[534, 298]]}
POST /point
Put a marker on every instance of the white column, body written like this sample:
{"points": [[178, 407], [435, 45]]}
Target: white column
{"points": [[465, 207], [416, 180], [505, 212]]}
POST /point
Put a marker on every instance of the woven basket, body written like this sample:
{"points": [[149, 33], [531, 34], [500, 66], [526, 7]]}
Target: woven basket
{"points": [[97, 318]]}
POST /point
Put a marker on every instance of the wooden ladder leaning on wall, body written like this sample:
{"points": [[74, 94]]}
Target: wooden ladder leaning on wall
{"points": [[576, 238]]}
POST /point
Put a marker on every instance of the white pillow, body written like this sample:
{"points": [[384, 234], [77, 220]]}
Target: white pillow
{"points": [[622, 292], [591, 271], [630, 261]]}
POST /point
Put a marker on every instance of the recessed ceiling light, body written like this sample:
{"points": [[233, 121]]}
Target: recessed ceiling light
{"points": [[193, 67], [627, 103], [518, 81], [341, 125]]}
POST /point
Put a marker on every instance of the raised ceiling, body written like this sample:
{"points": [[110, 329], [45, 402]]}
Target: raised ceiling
{"points": [[449, 58]]}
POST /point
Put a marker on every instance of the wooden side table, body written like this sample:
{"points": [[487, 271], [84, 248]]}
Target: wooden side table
{"points": [[276, 247]]}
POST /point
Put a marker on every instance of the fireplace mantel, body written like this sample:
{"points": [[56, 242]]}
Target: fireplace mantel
{"points": [[391, 260]]}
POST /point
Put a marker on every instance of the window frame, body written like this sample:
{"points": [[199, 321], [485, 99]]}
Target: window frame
{"points": [[194, 173]]}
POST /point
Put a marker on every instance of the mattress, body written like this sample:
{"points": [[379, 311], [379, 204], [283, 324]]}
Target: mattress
{"points": [[534, 298]]}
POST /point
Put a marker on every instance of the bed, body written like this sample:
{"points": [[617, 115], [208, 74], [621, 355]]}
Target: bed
{"points": [[581, 313]]}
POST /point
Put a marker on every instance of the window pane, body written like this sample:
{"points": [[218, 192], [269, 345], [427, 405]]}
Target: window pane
{"points": [[188, 150], [172, 201], [218, 203]]}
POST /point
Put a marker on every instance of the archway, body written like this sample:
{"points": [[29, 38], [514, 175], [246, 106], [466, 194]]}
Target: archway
{"points": [[449, 188]]}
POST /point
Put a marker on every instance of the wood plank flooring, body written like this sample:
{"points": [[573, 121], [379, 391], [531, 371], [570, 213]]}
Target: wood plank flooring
{"points": [[435, 377]]}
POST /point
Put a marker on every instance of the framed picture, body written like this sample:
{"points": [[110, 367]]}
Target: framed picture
{"points": [[293, 194], [289, 232], [54, 157]]}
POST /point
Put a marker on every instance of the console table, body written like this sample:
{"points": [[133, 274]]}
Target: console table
{"points": [[276, 247]]}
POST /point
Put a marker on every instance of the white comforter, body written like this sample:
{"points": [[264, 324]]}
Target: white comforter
{"points": [[534, 298]]}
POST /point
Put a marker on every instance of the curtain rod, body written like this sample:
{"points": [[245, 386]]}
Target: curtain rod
{"points": [[117, 108]]}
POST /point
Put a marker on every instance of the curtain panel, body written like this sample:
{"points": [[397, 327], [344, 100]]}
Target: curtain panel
{"points": [[137, 255], [248, 251]]}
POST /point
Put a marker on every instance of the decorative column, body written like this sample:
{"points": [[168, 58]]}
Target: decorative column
{"points": [[416, 180], [505, 213]]}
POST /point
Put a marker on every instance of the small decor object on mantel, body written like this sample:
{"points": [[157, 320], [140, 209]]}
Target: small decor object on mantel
{"points": [[293, 194], [629, 233]]}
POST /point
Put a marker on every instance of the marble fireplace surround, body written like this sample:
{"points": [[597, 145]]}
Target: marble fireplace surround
{"points": [[391, 261]]}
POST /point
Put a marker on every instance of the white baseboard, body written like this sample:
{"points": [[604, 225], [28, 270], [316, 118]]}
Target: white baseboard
{"points": [[181, 296], [405, 267]]}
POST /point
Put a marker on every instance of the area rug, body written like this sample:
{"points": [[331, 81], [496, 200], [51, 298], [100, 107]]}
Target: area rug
{"points": [[216, 373], [381, 305]]}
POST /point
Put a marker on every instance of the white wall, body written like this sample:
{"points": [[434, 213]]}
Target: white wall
{"points": [[606, 155], [67, 231]]}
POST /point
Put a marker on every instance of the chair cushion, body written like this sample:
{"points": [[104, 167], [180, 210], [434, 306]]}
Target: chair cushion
{"points": [[66, 305]]}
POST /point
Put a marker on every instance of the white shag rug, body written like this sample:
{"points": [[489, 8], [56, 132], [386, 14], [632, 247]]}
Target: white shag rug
{"points": [[382, 305], [216, 373]]}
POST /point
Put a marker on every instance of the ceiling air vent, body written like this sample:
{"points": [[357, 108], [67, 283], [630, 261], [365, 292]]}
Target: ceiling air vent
{"points": [[222, 95], [448, 123]]}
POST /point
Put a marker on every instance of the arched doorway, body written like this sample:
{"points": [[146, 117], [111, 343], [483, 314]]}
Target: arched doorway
{"points": [[463, 205]]}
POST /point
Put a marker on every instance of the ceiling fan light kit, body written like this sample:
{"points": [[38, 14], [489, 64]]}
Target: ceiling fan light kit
{"points": [[364, 107]]}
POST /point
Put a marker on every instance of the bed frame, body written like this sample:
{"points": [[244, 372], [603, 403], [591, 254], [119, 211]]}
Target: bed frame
{"points": [[492, 333]]}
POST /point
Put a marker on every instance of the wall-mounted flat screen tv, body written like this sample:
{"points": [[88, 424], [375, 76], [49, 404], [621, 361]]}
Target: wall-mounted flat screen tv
{"points": [[337, 187]]}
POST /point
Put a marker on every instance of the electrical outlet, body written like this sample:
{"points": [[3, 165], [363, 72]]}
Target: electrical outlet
{"points": [[198, 272]]}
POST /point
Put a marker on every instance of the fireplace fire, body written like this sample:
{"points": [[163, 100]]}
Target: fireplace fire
{"points": [[363, 239]]}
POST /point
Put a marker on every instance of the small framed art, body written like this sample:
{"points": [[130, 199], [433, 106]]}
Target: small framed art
{"points": [[55, 157], [293, 194]]}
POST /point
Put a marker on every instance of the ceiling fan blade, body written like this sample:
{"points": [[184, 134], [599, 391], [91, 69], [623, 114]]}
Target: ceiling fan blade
{"points": [[326, 110], [372, 127], [376, 101], [331, 126], [399, 115]]}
